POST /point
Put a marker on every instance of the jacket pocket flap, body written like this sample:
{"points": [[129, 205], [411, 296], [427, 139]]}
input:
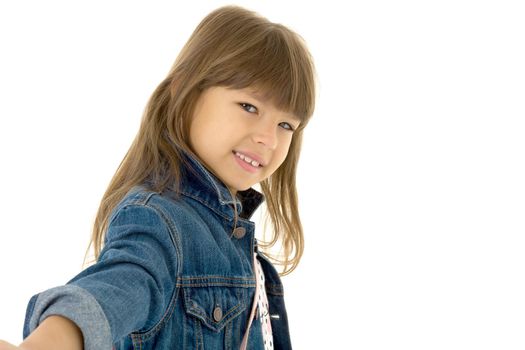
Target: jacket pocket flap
{"points": [[214, 306]]}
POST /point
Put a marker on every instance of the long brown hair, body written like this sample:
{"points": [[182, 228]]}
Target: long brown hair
{"points": [[235, 48]]}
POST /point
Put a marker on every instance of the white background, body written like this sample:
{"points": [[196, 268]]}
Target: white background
{"points": [[411, 179]]}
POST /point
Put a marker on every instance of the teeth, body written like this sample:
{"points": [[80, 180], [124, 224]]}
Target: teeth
{"points": [[247, 159]]}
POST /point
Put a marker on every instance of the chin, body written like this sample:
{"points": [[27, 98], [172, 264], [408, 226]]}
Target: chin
{"points": [[241, 187]]}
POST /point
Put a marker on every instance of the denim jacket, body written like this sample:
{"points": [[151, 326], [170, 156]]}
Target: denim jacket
{"points": [[174, 273]]}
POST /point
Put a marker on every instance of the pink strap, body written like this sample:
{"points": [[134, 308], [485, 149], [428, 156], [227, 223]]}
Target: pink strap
{"points": [[254, 307]]}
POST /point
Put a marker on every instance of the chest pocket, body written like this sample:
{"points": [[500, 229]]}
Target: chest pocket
{"points": [[215, 307]]}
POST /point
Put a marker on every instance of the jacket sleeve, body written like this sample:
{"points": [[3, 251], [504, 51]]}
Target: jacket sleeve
{"points": [[128, 289]]}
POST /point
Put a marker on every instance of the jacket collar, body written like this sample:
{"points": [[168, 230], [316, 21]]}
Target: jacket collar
{"points": [[199, 183]]}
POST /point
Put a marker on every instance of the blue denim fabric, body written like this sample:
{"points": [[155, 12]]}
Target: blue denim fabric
{"points": [[172, 275]]}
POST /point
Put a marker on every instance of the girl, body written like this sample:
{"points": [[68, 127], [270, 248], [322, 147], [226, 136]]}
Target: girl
{"points": [[177, 265]]}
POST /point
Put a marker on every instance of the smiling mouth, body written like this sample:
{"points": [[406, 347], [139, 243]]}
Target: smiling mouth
{"points": [[247, 159]]}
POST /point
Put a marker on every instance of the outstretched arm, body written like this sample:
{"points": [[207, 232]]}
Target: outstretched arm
{"points": [[56, 332]]}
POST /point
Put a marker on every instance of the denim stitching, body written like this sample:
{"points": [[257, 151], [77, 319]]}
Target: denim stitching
{"points": [[208, 205], [173, 299], [227, 318], [228, 335], [198, 334], [216, 277]]}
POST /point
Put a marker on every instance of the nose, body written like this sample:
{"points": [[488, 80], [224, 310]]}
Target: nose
{"points": [[265, 133]]}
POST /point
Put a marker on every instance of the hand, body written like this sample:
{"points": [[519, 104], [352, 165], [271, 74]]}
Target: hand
{"points": [[8, 346]]}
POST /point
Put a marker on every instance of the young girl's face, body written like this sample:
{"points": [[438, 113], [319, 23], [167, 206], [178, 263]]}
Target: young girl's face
{"points": [[239, 137]]}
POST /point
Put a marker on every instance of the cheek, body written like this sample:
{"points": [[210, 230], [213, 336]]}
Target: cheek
{"points": [[194, 136], [282, 152]]}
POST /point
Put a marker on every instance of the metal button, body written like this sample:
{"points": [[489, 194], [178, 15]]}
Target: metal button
{"points": [[239, 232], [217, 314]]}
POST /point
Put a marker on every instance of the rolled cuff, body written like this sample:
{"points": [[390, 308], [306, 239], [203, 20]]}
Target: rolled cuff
{"points": [[77, 305]]}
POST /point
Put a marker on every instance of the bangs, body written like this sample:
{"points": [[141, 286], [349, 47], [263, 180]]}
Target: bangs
{"points": [[276, 66]]}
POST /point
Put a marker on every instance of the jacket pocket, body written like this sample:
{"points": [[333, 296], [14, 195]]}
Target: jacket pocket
{"points": [[215, 307]]}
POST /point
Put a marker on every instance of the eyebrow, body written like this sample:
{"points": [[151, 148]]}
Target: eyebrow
{"points": [[256, 96]]}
